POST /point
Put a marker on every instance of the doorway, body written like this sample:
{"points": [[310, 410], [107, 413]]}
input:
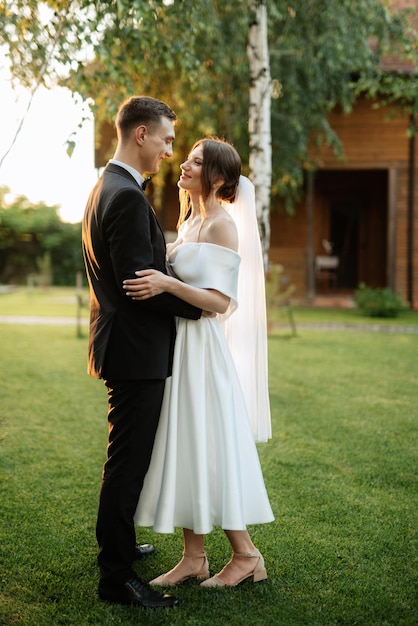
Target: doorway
{"points": [[352, 216], [344, 237]]}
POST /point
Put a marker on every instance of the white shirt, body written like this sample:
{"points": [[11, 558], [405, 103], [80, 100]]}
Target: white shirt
{"points": [[129, 169]]}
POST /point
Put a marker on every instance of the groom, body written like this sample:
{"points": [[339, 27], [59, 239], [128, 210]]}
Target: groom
{"points": [[130, 343]]}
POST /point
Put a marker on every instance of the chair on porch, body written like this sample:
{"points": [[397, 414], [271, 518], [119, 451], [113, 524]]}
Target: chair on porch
{"points": [[326, 268]]}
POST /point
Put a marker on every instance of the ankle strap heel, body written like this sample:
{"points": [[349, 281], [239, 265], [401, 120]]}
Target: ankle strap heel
{"points": [[248, 555], [180, 573], [257, 574]]}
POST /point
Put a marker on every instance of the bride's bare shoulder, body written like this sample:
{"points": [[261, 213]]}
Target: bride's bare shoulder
{"points": [[223, 232]]}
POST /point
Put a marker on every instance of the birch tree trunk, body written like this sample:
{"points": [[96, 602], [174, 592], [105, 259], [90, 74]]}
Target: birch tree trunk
{"points": [[259, 117]]}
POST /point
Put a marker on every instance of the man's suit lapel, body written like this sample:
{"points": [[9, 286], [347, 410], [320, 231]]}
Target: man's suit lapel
{"points": [[116, 169]]}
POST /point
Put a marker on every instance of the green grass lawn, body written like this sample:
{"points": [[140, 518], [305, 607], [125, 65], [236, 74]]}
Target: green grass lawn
{"points": [[37, 302], [62, 302], [340, 471]]}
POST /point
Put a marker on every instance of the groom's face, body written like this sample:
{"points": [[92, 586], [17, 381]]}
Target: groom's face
{"points": [[157, 145]]}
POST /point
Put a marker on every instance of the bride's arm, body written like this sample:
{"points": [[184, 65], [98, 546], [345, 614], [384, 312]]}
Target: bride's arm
{"points": [[152, 282]]}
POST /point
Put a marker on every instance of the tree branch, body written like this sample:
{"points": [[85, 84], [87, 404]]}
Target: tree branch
{"points": [[35, 88]]}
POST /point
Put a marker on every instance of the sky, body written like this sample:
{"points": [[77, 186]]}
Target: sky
{"points": [[38, 166]]}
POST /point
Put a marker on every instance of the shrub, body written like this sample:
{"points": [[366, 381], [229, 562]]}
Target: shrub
{"points": [[378, 302]]}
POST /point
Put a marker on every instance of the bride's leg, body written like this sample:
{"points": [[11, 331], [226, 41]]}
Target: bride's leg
{"points": [[194, 563], [193, 544], [246, 562]]}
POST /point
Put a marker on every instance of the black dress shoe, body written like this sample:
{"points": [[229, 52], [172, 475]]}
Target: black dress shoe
{"points": [[143, 549], [135, 591]]}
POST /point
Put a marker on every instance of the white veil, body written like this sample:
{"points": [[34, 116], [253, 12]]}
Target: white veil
{"points": [[246, 328]]}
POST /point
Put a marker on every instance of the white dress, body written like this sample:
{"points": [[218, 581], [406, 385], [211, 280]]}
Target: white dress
{"points": [[205, 469]]}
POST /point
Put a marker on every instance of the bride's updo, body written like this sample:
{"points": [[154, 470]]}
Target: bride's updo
{"points": [[220, 160]]}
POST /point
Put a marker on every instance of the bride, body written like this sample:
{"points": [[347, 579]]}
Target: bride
{"points": [[205, 469]]}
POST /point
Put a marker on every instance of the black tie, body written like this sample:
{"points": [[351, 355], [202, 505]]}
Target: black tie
{"points": [[145, 182]]}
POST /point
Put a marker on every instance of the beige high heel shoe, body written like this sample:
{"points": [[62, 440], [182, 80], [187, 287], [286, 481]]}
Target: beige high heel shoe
{"points": [[200, 574], [258, 573]]}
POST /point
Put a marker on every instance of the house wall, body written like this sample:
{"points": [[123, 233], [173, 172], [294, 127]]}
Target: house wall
{"points": [[373, 139]]}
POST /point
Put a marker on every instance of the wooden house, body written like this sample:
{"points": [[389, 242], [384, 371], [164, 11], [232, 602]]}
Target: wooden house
{"points": [[356, 222]]}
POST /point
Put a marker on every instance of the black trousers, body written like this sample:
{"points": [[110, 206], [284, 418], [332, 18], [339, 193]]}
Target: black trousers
{"points": [[133, 412]]}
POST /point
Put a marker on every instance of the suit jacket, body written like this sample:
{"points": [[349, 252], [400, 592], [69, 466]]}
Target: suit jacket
{"points": [[121, 234]]}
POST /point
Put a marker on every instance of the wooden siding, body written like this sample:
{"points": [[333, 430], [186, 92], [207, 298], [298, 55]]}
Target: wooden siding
{"points": [[374, 139]]}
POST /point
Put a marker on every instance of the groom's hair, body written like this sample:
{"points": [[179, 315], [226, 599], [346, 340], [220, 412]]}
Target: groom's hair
{"points": [[140, 110]]}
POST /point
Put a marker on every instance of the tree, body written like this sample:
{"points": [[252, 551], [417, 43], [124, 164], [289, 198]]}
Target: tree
{"points": [[322, 52], [194, 55], [259, 116], [35, 242]]}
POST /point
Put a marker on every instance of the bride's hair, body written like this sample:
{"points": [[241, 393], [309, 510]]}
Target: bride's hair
{"points": [[220, 160]]}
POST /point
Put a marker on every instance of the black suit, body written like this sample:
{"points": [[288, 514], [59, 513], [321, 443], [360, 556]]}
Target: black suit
{"points": [[130, 346]]}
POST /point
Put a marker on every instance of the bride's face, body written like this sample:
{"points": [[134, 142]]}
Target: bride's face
{"points": [[191, 172]]}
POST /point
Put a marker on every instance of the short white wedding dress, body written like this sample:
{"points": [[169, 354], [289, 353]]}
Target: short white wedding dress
{"points": [[205, 469]]}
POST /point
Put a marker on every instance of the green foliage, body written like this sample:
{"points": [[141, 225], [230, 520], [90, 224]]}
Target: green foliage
{"points": [[321, 58], [378, 302], [193, 55], [35, 243], [43, 38], [396, 87], [172, 51]]}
